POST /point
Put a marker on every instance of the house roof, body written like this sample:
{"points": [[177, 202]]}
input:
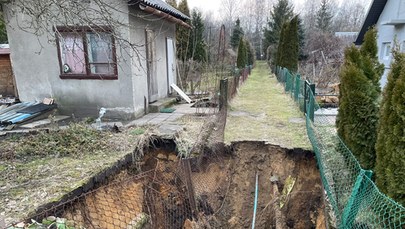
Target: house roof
{"points": [[373, 15], [162, 6]]}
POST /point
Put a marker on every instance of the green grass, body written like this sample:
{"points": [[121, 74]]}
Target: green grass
{"points": [[267, 112]]}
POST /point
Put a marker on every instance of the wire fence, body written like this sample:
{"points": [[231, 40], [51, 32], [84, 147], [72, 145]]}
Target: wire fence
{"points": [[176, 193], [353, 197], [173, 193]]}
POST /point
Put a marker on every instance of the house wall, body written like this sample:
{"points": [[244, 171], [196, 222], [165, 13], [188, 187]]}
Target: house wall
{"points": [[387, 33], [36, 68], [6, 76], [163, 29]]}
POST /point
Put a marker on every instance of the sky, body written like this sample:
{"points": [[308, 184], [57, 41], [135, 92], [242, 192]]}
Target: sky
{"points": [[214, 5]]}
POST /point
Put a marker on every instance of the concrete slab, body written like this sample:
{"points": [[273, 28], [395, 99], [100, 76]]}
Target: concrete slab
{"points": [[160, 104], [170, 130], [155, 122], [43, 122]]}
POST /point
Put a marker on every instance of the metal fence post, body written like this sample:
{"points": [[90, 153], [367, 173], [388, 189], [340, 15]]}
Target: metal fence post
{"points": [[297, 87], [311, 111], [353, 204]]}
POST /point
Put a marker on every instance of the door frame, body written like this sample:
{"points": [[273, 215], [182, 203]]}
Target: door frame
{"points": [[168, 67], [153, 90]]}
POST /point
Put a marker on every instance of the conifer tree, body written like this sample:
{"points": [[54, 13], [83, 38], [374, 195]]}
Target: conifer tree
{"points": [[282, 12], [237, 34], [250, 53], [301, 38], [324, 17], [172, 3], [197, 47], [291, 50], [183, 34], [278, 56], [288, 50], [241, 60], [358, 100], [3, 32], [390, 165]]}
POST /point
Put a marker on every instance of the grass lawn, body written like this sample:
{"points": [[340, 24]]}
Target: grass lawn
{"points": [[262, 111], [39, 169]]}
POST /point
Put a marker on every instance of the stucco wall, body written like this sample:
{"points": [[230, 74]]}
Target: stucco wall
{"points": [[387, 33], [139, 22], [36, 68]]}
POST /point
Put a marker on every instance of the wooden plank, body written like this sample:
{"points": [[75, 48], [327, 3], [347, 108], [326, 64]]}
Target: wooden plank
{"points": [[181, 93]]}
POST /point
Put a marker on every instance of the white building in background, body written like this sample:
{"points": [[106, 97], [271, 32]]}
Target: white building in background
{"points": [[389, 18]]}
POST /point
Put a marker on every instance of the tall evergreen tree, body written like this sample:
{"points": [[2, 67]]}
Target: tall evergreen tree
{"points": [[301, 37], [282, 11], [237, 34], [288, 50], [172, 3], [390, 165], [278, 55], [197, 47], [241, 60], [358, 103], [183, 34], [3, 32], [250, 53], [324, 17]]}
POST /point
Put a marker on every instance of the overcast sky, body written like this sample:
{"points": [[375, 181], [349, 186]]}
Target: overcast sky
{"points": [[214, 5]]}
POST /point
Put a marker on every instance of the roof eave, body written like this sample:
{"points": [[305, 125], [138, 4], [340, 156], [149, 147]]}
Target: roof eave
{"points": [[172, 12], [373, 14]]}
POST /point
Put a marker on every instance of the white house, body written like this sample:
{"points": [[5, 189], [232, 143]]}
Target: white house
{"points": [[89, 64], [389, 18]]}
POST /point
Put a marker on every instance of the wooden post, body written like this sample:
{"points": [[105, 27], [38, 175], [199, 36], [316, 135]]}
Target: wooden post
{"points": [[223, 98], [189, 184]]}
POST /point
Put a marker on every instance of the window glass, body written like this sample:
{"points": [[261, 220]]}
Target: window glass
{"points": [[386, 50], [100, 53], [72, 53]]}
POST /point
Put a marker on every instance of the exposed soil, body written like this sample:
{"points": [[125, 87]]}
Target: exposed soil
{"points": [[304, 206], [221, 193]]}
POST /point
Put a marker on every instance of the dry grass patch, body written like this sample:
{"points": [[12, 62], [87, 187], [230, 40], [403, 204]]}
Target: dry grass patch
{"points": [[39, 169]]}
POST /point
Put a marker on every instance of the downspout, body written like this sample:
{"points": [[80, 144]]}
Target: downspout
{"points": [[163, 15]]}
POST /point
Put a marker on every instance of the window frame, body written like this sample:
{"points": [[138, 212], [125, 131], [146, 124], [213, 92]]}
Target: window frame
{"points": [[83, 31], [386, 50]]}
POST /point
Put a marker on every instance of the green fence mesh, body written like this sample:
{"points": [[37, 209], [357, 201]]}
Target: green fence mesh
{"points": [[354, 199]]}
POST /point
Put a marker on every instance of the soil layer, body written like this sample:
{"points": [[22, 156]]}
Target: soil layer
{"points": [[303, 207]]}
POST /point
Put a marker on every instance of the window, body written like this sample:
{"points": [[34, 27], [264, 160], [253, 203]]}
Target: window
{"points": [[86, 53], [386, 50]]}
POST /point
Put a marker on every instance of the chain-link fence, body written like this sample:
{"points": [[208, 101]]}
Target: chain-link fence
{"points": [[229, 86], [176, 193], [354, 199]]}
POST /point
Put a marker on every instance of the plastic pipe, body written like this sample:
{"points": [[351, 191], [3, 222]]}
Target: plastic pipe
{"points": [[255, 203]]}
